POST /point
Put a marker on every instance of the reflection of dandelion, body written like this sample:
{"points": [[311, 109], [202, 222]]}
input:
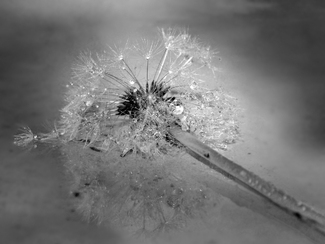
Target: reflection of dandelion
{"points": [[143, 195], [125, 100]]}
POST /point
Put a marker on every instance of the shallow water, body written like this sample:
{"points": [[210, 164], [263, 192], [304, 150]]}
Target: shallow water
{"points": [[272, 61]]}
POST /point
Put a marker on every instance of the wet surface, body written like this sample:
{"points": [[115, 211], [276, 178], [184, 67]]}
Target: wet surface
{"points": [[272, 60]]}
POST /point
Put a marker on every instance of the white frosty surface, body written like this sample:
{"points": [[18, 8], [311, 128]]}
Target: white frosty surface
{"points": [[272, 63]]}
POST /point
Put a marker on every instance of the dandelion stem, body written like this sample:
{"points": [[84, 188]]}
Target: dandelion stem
{"points": [[250, 181]]}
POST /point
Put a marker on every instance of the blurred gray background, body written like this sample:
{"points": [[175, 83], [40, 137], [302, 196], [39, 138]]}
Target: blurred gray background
{"points": [[273, 60]]}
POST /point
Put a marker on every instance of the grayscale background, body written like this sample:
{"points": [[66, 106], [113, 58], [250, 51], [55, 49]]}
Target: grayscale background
{"points": [[273, 61]]}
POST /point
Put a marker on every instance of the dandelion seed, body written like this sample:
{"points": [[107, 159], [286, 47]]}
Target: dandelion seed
{"points": [[25, 137]]}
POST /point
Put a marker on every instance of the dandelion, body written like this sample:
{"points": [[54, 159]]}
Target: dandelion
{"points": [[117, 131], [115, 126], [130, 96]]}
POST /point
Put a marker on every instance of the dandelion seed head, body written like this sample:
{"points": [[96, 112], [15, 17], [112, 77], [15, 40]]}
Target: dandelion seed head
{"points": [[115, 125]]}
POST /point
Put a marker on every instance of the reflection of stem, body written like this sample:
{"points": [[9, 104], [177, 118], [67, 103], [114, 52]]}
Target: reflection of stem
{"points": [[249, 180]]}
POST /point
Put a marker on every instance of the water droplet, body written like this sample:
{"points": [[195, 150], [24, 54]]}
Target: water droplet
{"points": [[178, 110], [243, 173]]}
